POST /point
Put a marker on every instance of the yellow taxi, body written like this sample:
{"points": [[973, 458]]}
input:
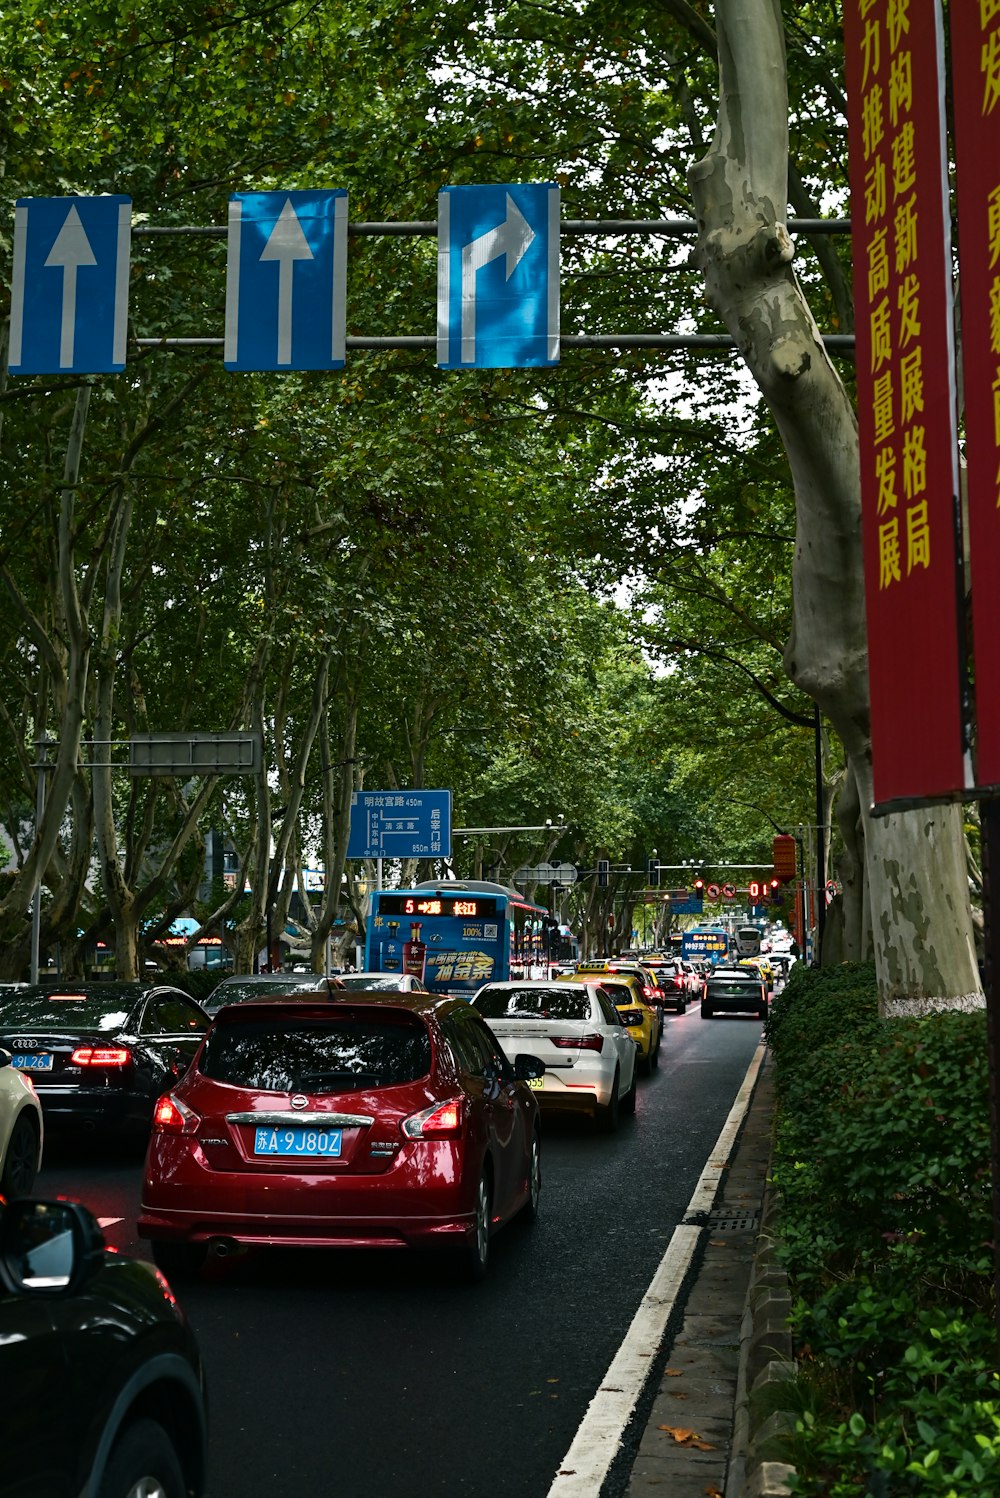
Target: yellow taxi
{"points": [[642, 1021], [763, 967]]}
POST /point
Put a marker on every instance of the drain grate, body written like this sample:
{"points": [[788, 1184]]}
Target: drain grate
{"points": [[726, 1220]]}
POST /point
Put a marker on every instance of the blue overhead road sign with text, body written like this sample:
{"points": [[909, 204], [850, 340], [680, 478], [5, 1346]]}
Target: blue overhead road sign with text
{"points": [[69, 285], [286, 280], [400, 824], [498, 276]]}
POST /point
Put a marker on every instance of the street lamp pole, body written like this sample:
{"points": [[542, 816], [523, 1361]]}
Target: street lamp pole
{"points": [[36, 898]]}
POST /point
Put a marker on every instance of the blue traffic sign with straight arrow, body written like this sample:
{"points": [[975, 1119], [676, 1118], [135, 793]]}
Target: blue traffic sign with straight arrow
{"points": [[286, 280], [498, 276], [69, 285]]}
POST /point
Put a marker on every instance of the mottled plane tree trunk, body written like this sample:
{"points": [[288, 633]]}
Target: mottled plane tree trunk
{"points": [[915, 862]]}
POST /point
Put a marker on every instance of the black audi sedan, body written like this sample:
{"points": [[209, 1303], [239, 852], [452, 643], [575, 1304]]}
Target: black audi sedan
{"points": [[100, 1054], [104, 1391]]}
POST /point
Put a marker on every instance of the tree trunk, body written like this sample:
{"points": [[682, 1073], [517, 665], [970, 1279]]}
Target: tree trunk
{"points": [[922, 922]]}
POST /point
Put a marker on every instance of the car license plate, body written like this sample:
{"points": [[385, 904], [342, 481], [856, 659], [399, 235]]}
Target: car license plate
{"points": [[536, 1082], [32, 1063], [298, 1143]]}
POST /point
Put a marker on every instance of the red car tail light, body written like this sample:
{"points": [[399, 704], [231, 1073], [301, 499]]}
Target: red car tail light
{"points": [[91, 1055], [171, 1116], [584, 1043], [436, 1122], [647, 992]]}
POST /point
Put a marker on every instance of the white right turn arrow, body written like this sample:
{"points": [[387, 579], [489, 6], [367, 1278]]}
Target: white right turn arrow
{"points": [[511, 238]]}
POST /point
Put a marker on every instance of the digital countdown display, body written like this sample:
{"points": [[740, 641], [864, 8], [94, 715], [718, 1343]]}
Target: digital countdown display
{"points": [[428, 906]]}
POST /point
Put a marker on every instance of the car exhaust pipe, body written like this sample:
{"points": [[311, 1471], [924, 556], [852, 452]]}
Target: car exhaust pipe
{"points": [[225, 1248]]}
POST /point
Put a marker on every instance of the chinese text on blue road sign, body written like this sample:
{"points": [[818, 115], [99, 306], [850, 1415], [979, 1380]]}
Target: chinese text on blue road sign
{"points": [[498, 276], [69, 285], [400, 824], [286, 280]]}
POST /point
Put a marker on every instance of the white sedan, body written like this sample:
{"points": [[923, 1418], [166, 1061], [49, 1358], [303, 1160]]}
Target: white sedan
{"points": [[589, 1055], [382, 982], [20, 1130]]}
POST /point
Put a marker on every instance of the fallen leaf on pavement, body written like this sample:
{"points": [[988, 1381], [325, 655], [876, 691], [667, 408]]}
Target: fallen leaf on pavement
{"points": [[687, 1437]]}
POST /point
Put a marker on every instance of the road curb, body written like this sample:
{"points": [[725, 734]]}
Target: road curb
{"points": [[766, 1366]]}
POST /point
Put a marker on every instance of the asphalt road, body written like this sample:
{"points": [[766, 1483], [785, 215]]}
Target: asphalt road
{"points": [[376, 1373]]}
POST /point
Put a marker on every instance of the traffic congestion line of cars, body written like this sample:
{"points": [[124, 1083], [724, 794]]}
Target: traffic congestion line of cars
{"points": [[353, 1110]]}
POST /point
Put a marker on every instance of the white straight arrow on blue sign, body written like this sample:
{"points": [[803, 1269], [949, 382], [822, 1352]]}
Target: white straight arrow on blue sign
{"points": [[498, 276], [69, 287], [286, 280]]}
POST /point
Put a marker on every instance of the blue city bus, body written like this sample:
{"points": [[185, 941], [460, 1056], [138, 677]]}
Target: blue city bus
{"points": [[705, 944], [458, 935]]}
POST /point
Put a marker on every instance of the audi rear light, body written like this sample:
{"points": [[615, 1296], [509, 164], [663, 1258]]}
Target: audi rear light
{"points": [[439, 1121], [581, 1043], [104, 1055], [171, 1116]]}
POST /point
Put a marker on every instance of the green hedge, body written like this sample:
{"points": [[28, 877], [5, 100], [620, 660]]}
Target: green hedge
{"points": [[198, 984], [882, 1166]]}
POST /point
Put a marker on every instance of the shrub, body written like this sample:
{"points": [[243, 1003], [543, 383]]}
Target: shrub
{"points": [[882, 1167], [198, 984]]}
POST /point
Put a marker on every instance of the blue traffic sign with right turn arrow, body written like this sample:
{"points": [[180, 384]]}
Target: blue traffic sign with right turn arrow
{"points": [[498, 276]]}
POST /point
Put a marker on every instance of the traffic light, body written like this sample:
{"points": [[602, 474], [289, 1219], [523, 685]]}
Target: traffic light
{"points": [[699, 887], [653, 873], [603, 871]]}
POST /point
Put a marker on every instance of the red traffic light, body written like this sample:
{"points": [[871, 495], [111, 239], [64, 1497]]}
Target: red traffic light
{"points": [[699, 886]]}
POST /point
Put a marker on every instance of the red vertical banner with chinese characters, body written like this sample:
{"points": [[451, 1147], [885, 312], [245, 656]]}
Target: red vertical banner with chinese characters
{"points": [[906, 395], [975, 64]]}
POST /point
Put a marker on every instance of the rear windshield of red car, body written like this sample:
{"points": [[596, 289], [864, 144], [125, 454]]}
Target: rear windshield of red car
{"points": [[345, 1054], [567, 1001]]}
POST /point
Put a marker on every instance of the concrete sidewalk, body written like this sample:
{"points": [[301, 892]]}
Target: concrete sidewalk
{"points": [[697, 1439]]}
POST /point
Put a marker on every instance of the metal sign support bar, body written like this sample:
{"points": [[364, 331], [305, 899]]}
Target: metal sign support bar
{"points": [[670, 228]]}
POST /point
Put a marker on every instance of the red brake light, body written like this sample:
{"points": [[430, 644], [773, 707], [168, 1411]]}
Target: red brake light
{"points": [[647, 992], [171, 1116], [584, 1043], [87, 1055], [437, 1121]]}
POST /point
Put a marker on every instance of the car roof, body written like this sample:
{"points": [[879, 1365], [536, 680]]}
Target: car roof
{"points": [[426, 1005], [265, 978]]}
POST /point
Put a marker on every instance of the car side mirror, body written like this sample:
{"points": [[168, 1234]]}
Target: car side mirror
{"points": [[527, 1067], [5, 1057], [48, 1247]]}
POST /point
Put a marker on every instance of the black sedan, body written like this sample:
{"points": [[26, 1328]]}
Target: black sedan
{"points": [[100, 1054], [103, 1385], [245, 988]]}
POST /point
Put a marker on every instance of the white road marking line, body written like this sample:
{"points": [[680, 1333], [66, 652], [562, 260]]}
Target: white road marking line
{"points": [[108, 1222], [597, 1441]]}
